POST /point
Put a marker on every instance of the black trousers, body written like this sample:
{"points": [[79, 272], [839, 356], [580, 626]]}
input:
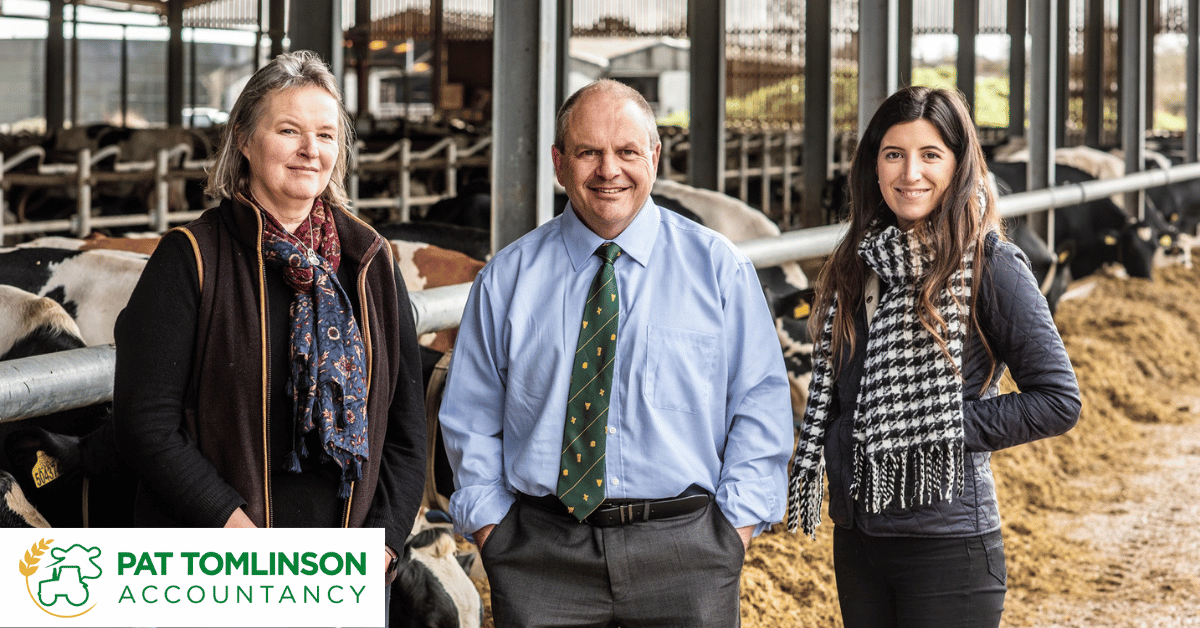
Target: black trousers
{"points": [[548, 570], [907, 582]]}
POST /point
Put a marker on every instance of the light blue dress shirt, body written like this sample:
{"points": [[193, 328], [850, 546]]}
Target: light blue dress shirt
{"points": [[700, 395]]}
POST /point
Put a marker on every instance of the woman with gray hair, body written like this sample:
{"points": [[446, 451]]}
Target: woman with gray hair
{"points": [[267, 364]]}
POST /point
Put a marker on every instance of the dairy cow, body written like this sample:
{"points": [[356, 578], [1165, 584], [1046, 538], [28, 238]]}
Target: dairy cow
{"points": [[33, 325], [50, 455], [432, 589], [473, 242], [93, 286], [1099, 231], [426, 266], [1051, 268], [15, 510]]}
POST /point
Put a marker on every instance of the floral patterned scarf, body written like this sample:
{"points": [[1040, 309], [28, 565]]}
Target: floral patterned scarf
{"points": [[327, 381]]}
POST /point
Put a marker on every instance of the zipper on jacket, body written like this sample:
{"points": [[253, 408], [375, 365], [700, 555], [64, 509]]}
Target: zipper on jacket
{"points": [[265, 338], [365, 330]]}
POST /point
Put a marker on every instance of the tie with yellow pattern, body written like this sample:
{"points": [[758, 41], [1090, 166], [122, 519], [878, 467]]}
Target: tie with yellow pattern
{"points": [[581, 482]]}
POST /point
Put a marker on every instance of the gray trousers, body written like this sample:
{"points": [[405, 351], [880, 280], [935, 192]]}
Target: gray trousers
{"points": [[546, 569]]}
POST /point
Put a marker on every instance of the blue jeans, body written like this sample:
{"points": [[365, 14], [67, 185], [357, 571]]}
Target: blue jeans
{"points": [[908, 582]]}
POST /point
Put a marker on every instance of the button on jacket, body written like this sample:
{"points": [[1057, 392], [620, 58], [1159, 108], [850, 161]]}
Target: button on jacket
{"points": [[700, 395]]}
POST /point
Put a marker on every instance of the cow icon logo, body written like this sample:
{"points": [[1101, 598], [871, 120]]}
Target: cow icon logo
{"points": [[61, 584]]}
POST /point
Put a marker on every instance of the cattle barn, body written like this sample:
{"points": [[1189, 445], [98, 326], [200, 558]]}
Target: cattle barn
{"points": [[112, 113]]}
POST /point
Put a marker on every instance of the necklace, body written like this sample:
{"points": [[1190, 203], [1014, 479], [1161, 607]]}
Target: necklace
{"points": [[312, 255]]}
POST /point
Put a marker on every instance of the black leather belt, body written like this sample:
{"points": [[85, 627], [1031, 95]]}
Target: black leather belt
{"points": [[615, 512]]}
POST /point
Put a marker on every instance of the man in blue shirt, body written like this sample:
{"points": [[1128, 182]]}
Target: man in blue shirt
{"points": [[697, 431]]}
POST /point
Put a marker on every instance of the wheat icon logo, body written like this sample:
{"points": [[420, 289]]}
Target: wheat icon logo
{"points": [[63, 580], [29, 566]]}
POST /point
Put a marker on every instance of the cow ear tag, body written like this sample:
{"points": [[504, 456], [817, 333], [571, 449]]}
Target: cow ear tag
{"points": [[802, 310], [45, 470], [1164, 241], [1109, 240]]}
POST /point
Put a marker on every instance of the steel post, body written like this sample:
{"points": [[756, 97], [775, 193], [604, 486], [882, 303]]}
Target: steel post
{"points": [[524, 79], [706, 28]]}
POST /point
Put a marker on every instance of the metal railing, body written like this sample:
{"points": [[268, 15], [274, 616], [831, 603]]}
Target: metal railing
{"points": [[766, 158], [82, 176], [175, 164], [71, 379]]}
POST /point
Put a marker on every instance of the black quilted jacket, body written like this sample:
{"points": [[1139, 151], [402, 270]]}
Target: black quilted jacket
{"points": [[1022, 335]]}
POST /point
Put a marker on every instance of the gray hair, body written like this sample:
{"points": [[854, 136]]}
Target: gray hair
{"points": [[609, 86], [230, 177]]}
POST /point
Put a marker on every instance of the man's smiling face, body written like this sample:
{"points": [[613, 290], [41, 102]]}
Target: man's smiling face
{"points": [[607, 164]]}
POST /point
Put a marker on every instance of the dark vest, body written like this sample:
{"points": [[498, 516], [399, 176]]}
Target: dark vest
{"points": [[228, 404]]}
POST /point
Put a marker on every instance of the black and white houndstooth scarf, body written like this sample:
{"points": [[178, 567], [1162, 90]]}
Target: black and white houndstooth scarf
{"points": [[908, 433]]}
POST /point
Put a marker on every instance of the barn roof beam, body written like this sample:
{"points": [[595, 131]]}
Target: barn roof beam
{"points": [[175, 63], [56, 68], [316, 25], [1062, 72], [904, 41], [1016, 67], [277, 28]]}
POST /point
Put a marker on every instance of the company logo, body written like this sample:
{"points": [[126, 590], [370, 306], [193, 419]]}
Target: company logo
{"points": [[60, 586]]}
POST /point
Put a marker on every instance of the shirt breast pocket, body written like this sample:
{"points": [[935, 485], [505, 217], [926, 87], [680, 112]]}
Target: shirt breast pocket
{"points": [[681, 364]]}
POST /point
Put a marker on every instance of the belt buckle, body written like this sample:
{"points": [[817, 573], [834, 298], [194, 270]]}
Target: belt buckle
{"points": [[626, 511]]}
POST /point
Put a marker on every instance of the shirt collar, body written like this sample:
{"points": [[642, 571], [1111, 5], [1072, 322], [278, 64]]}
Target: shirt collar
{"points": [[637, 240]]}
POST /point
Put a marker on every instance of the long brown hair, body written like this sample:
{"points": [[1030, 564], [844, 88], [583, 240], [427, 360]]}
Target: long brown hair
{"points": [[959, 221]]}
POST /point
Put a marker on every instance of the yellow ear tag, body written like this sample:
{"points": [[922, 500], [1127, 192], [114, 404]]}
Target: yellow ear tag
{"points": [[1110, 240], [1062, 257], [1164, 241], [45, 470], [802, 310]]}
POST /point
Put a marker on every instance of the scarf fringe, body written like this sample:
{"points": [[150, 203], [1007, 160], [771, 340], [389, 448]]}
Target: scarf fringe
{"points": [[804, 501], [909, 478]]}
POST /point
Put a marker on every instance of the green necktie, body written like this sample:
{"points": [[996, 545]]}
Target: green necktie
{"points": [[581, 482]]}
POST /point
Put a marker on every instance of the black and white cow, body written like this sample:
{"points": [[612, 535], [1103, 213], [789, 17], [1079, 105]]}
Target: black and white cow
{"points": [[33, 325], [1099, 231], [51, 455], [15, 510], [93, 286], [432, 589]]}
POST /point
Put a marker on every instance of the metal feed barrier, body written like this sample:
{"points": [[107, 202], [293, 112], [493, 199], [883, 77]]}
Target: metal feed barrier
{"points": [[769, 157], [71, 379]]}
